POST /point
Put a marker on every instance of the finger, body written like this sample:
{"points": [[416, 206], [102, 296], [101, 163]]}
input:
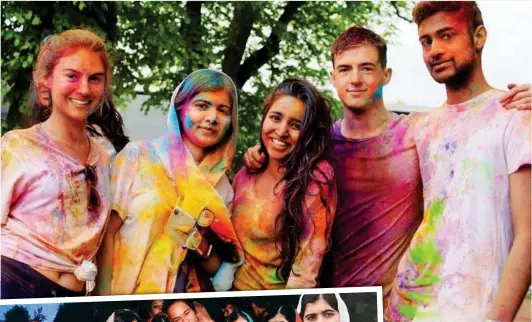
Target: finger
{"points": [[247, 161], [255, 164], [524, 107], [511, 85], [508, 95], [520, 95], [516, 104], [257, 156]]}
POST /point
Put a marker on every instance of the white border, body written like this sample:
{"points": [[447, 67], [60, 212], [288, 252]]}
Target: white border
{"points": [[171, 296]]}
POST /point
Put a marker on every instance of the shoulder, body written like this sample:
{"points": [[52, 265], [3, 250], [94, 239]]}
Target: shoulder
{"points": [[134, 149], [28, 134], [22, 142], [323, 172], [241, 177]]}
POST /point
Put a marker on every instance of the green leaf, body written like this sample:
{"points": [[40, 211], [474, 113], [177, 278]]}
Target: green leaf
{"points": [[36, 21]]}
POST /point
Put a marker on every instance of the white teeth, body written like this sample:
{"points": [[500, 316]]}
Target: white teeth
{"points": [[280, 144], [75, 101]]}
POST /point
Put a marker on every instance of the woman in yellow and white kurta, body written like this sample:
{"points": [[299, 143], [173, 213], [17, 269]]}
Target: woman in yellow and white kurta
{"points": [[171, 192]]}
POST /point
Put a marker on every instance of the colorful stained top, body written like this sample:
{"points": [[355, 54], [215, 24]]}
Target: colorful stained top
{"points": [[45, 220], [150, 178], [254, 222], [453, 266], [380, 205]]}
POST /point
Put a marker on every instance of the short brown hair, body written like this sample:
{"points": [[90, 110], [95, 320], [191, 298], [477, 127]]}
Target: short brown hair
{"points": [[356, 36], [468, 9]]}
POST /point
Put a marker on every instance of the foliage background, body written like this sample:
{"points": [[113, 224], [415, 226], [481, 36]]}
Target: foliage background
{"points": [[155, 44]]}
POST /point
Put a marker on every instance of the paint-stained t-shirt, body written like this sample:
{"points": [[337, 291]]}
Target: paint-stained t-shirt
{"points": [[45, 220], [379, 204], [454, 264], [254, 221]]}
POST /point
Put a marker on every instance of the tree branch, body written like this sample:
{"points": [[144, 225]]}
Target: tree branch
{"points": [[192, 32], [244, 16], [398, 12], [260, 57]]}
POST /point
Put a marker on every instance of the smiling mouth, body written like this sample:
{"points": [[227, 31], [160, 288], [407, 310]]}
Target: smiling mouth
{"points": [[80, 102], [208, 130], [279, 143], [356, 91]]}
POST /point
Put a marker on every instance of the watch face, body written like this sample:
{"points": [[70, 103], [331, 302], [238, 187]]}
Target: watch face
{"points": [[194, 240], [206, 217]]}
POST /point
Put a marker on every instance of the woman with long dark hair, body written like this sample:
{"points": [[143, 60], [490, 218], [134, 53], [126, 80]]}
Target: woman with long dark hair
{"points": [[283, 212]]}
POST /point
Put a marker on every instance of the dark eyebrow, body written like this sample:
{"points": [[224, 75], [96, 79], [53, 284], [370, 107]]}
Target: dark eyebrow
{"points": [[368, 64], [295, 120], [343, 66], [202, 101], [438, 32]]}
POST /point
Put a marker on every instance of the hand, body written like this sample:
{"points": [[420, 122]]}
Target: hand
{"points": [[518, 97], [253, 159]]}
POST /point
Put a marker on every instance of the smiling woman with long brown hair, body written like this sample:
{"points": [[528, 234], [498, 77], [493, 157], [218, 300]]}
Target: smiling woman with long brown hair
{"points": [[283, 212]]}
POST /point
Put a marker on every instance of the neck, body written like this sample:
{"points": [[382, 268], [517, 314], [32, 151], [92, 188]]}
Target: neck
{"points": [[274, 170], [65, 130], [197, 152], [472, 86], [368, 122]]}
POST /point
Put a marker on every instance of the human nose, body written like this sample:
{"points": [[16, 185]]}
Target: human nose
{"points": [[84, 88], [212, 116], [282, 129], [355, 77], [435, 49]]}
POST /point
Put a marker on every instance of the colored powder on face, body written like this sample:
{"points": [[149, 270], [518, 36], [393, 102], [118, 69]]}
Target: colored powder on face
{"points": [[188, 121], [378, 94]]}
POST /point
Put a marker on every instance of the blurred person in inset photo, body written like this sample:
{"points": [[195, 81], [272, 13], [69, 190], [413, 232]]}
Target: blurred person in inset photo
{"points": [[228, 308], [201, 312], [181, 311], [239, 316], [124, 316], [285, 313], [322, 308]]}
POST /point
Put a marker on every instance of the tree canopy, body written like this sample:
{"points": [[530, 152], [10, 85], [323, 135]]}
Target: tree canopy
{"points": [[155, 44], [17, 313]]}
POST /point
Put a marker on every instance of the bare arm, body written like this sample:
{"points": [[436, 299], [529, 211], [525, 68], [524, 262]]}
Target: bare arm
{"points": [[516, 276], [315, 240], [106, 253]]}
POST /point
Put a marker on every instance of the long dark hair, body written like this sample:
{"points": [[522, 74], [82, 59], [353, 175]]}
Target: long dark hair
{"points": [[300, 166], [111, 123], [312, 298]]}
